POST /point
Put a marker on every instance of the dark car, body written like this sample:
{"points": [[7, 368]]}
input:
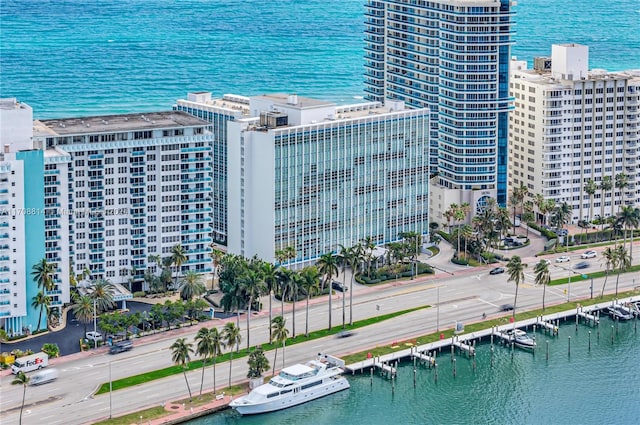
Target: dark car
{"points": [[497, 270], [582, 265], [506, 307], [121, 346], [338, 286]]}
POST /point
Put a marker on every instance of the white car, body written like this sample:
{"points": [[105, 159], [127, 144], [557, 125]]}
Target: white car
{"points": [[563, 259], [94, 336], [589, 254]]}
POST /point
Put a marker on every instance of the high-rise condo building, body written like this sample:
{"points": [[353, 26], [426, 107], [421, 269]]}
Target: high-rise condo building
{"points": [[451, 56], [573, 129], [22, 223], [311, 175], [122, 190], [217, 112]]}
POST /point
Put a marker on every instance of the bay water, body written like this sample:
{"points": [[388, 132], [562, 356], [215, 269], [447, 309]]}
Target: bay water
{"points": [[89, 57], [575, 385]]}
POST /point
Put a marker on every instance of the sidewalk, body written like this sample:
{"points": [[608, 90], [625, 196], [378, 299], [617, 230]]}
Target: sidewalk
{"points": [[180, 413]]}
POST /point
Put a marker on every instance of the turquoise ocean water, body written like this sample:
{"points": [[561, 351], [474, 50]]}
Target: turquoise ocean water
{"points": [[72, 57], [600, 385]]}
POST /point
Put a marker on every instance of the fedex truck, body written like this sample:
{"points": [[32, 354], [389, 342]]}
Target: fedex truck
{"points": [[28, 363]]}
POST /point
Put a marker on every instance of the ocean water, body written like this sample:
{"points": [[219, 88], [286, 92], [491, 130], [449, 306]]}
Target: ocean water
{"points": [[575, 385], [72, 57]]}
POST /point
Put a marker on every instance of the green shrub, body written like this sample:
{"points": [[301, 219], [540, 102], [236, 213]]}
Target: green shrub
{"points": [[459, 261], [139, 294]]}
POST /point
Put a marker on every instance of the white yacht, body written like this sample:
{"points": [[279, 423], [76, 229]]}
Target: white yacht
{"points": [[521, 339], [295, 385]]}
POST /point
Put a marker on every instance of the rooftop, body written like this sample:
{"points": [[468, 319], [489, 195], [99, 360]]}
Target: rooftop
{"points": [[115, 123], [293, 100]]}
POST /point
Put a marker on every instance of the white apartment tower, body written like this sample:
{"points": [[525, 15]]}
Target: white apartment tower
{"points": [[217, 111], [572, 125], [22, 243], [311, 175], [122, 190]]}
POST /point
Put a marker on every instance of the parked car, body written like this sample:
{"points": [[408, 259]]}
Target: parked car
{"points": [[581, 265], [563, 259], [338, 286], [94, 336], [589, 254], [121, 346], [497, 270]]}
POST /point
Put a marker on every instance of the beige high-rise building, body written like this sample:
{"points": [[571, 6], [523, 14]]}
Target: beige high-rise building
{"points": [[572, 125]]}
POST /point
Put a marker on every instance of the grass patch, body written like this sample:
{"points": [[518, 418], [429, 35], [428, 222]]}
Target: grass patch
{"points": [[479, 326], [197, 364], [134, 418], [594, 275]]}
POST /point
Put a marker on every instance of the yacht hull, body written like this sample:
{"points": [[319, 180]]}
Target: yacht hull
{"points": [[291, 399]]}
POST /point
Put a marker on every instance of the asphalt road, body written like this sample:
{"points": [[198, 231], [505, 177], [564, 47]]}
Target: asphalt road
{"points": [[463, 297]]}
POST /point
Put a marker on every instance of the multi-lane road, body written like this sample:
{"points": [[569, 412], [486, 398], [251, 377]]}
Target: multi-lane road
{"points": [[462, 297]]}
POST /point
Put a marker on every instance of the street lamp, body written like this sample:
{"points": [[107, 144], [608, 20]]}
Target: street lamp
{"points": [[95, 314]]}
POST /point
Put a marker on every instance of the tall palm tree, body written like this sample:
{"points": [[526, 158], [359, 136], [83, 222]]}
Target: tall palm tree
{"points": [[191, 285], [310, 283], [623, 262], [590, 188], [328, 267], [605, 186], [270, 278], [629, 218], [539, 202], [450, 214], [279, 336], [284, 284], [178, 258], [21, 379], [181, 355], [102, 291], [609, 257], [204, 348], [459, 217], [231, 337], [294, 284], [356, 260], [41, 301], [543, 277], [344, 259], [216, 256], [83, 310], [515, 270], [621, 182], [43, 273], [216, 349], [254, 288]]}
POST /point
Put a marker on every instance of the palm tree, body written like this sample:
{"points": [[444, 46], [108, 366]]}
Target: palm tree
{"points": [[543, 277], [204, 349], [605, 186], [515, 270], [590, 188], [216, 256], [40, 301], [216, 349], [629, 218], [181, 355], [539, 202], [621, 182], [357, 257], [269, 277], [310, 284], [623, 262], [450, 214], [102, 291], [22, 379], [284, 277], [42, 273], [83, 310], [609, 257], [178, 258], [253, 287], [344, 259], [294, 284], [328, 266], [230, 337], [279, 336], [191, 286]]}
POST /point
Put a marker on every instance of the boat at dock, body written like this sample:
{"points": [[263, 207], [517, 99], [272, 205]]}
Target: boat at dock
{"points": [[619, 312], [522, 339], [295, 385]]}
